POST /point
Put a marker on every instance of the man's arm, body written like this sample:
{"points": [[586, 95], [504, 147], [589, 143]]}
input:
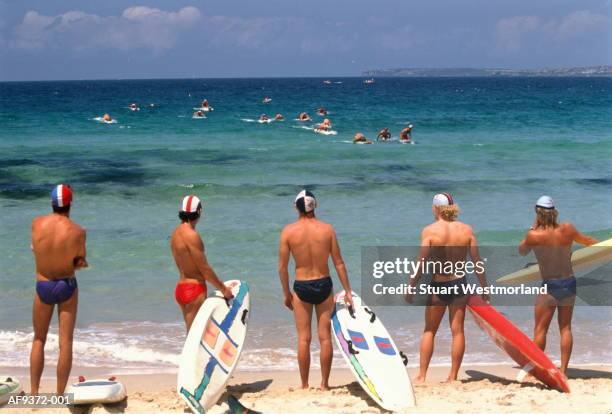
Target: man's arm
{"points": [[80, 260], [196, 249], [582, 238], [338, 261], [524, 246], [283, 268], [475, 255], [423, 255]]}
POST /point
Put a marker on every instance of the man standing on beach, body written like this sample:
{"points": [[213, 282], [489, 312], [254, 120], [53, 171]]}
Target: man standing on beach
{"points": [[58, 244], [188, 251], [552, 244], [311, 242], [446, 240]]}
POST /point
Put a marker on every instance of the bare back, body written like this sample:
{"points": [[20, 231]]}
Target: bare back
{"points": [[448, 241], [58, 245], [310, 242], [184, 240], [552, 247]]}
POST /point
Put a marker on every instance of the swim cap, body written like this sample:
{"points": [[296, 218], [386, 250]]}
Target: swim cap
{"points": [[443, 199], [190, 204], [61, 196], [545, 202], [306, 201]]}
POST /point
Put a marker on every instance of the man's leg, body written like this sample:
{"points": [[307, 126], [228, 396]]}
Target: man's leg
{"points": [[191, 309], [41, 317], [433, 316], [67, 312], [456, 317], [543, 312], [564, 317], [302, 313], [324, 311]]}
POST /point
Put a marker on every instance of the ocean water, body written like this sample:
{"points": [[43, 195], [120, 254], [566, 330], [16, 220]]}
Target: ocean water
{"points": [[495, 144]]}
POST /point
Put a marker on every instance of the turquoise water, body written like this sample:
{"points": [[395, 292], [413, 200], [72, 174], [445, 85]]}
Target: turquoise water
{"points": [[495, 144]]}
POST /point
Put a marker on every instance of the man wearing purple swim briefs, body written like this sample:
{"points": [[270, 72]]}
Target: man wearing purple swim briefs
{"points": [[59, 251]]}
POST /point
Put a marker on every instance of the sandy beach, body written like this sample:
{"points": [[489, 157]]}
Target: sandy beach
{"points": [[482, 388]]}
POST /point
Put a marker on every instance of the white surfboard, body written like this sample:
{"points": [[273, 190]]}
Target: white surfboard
{"points": [[582, 259], [372, 355], [213, 347], [325, 131], [104, 391], [8, 386], [204, 109]]}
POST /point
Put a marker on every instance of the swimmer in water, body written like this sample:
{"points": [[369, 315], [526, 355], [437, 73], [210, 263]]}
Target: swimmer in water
{"points": [[325, 125], [360, 138], [406, 134], [107, 118], [383, 135], [264, 118], [134, 107], [303, 117], [267, 99], [198, 114], [205, 103], [279, 117], [322, 111]]}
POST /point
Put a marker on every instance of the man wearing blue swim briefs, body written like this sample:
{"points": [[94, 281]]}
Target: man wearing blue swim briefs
{"points": [[312, 243], [552, 244], [59, 251]]}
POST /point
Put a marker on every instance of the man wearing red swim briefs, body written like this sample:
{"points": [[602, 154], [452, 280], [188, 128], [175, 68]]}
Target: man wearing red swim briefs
{"points": [[194, 270]]}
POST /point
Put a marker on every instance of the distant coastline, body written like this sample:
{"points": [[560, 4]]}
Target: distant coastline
{"points": [[601, 70]]}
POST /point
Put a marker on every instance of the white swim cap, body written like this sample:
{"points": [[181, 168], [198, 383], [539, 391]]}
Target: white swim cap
{"points": [[190, 204], [545, 202], [305, 201], [443, 199]]}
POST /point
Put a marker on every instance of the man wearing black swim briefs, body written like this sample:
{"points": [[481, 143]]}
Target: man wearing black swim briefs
{"points": [[311, 242], [58, 244], [552, 244], [446, 240]]}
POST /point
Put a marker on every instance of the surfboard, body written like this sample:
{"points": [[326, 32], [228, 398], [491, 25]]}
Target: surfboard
{"points": [[204, 109], [516, 344], [325, 131], [8, 386], [213, 347], [104, 391], [235, 407], [582, 259], [371, 354]]}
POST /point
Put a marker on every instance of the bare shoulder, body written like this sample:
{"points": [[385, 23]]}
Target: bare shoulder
{"points": [[464, 227]]}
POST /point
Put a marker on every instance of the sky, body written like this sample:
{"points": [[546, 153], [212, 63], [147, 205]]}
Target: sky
{"points": [[115, 39]]}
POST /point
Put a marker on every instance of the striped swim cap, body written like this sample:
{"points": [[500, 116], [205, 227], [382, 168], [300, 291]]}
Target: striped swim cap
{"points": [[443, 199], [190, 204], [61, 196], [305, 201]]}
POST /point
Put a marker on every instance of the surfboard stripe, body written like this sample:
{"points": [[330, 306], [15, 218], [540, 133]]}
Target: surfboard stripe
{"points": [[358, 339], [384, 345]]}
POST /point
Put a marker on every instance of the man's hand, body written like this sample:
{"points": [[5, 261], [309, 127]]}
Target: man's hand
{"points": [[348, 299], [80, 263], [486, 297], [227, 293], [289, 301]]}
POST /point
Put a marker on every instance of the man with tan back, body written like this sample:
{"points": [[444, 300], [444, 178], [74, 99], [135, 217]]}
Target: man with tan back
{"points": [[58, 244], [194, 270], [552, 244], [446, 240], [311, 242]]}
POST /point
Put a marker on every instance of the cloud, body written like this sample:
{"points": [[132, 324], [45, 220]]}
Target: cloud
{"points": [[136, 27], [513, 34]]}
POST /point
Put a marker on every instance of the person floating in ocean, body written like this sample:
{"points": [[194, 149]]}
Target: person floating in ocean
{"points": [[134, 107], [205, 104], [279, 117], [194, 271], [59, 250], [552, 244], [267, 99], [322, 111], [325, 125], [199, 114], [311, 242], [406, 134], [383, 135], [359, 138], [303, 117], [107, 118], [264, 118], [446, 240]]}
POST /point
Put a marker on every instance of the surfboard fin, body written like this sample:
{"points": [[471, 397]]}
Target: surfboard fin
{"points": [[235, 407], [351, 350], [372, 314], [404, 358]]}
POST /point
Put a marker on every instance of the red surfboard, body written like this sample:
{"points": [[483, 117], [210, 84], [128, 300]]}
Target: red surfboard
{"points": [[516, 344]]}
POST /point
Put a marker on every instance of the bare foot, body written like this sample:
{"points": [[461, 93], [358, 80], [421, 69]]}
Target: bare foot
{"points": [[419, 380], [324, 387], [451, 378], [304, 386]]}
